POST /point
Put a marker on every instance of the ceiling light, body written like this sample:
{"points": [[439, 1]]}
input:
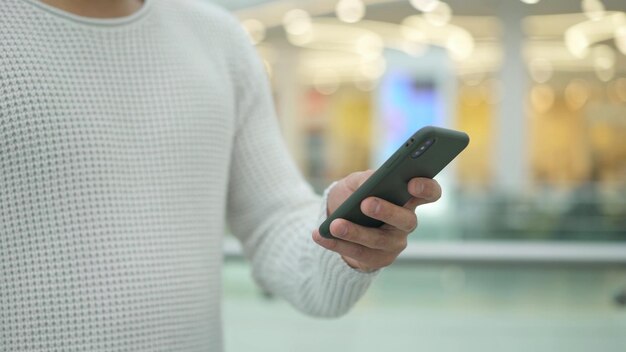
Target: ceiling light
{"points": [[540, 70], [603, 57], [370, 47], [440, 15], [460, 45], [412, 48], [373, 70], [581, 36], [576, 42], [542, 98], [458, 41], [350, 11], [297, 22], [594, 9], [412, 34], [425, 5], [576, 94]]}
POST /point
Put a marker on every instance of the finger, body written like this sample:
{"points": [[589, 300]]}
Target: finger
{"points": [[425, 190], [356, 179], [389, 240], [352, 250], [413, 203], [399, 217]]}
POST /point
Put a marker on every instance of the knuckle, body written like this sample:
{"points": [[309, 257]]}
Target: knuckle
{"points": [[349, 236], [356, 176], [380, 241], [358, 252], [412, 225], [362, 176], [402, 244], [436, 191], [332, 244], [354, 180]]}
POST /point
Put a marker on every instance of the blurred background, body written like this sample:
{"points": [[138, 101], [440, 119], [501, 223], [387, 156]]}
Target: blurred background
{"points": [[527, 248]]}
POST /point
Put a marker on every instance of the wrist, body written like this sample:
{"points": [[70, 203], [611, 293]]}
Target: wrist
{"points": [[357, 265]]}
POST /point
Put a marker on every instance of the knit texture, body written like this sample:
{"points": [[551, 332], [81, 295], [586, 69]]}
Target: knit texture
{"points": [[126, 147]]}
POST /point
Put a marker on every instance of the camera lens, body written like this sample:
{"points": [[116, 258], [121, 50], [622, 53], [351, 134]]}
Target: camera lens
{"points": [[422, 148], [416, 153]]}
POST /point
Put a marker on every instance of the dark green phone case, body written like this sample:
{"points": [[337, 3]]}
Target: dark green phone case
{"points": [[390, 181]]}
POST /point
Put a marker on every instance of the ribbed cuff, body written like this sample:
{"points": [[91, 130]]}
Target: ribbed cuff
{"points": [[345, 284], [334, 265], [323, 212]]}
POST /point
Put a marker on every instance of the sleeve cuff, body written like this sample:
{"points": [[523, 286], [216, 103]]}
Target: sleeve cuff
{"points": [[343, 285], [323, 212]]}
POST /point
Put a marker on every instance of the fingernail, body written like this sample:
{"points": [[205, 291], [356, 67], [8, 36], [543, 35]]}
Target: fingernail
{"points": [[375, 207], [419, 188], [341, 230]]}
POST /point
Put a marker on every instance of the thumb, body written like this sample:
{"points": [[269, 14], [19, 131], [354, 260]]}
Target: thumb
{"points": [[345, 187], [356, 179]]}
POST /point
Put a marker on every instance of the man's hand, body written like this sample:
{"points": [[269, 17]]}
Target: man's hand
{"points": [[365, 248]]}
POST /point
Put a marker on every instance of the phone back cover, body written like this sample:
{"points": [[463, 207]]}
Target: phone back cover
{"points": [[390, 181]]}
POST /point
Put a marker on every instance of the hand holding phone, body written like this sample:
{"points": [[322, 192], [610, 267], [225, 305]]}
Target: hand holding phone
{"points": [[424, 154]]}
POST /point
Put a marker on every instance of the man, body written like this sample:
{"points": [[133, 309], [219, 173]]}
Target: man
{"points": [[129, 132]]}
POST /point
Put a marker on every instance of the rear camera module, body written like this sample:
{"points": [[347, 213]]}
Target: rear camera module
{"points": [[422, 148]]}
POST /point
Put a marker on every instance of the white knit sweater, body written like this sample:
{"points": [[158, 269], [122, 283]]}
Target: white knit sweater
{"points": [[126, 146]]}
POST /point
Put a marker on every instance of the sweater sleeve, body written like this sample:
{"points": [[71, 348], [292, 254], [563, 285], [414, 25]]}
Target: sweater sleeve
{"points": [[272, 210]]}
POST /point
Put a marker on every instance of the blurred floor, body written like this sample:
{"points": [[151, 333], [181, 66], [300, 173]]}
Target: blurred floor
{"points": [[442, 308]]}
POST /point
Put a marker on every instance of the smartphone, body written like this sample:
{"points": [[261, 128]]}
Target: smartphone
{"points": [[424, 154]]}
